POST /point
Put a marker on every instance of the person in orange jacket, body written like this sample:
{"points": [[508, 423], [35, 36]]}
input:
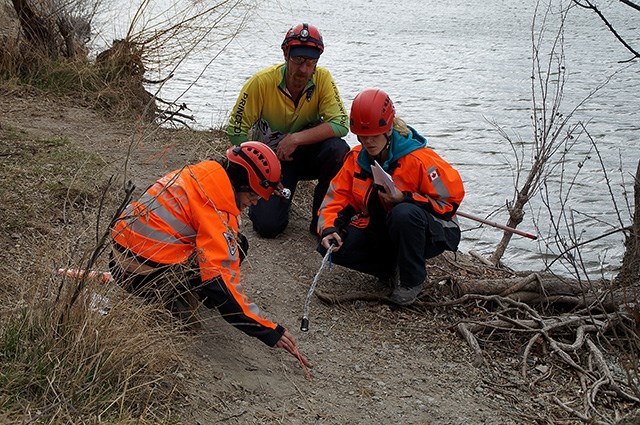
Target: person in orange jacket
{"points": [[181, 238], [389, 230]]}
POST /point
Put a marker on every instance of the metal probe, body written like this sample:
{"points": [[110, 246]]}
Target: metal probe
{"points": [[304, 326]]}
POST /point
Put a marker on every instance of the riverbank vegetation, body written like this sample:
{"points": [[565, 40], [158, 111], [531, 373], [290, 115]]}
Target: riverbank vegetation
{"points": [[71, 351], [63, 359]]}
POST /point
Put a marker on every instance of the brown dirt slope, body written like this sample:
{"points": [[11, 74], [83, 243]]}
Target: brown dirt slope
{"points": [[373, 363]]}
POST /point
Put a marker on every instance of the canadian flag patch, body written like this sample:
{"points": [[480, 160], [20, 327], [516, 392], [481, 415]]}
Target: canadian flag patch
{"points": [[433, 175]]}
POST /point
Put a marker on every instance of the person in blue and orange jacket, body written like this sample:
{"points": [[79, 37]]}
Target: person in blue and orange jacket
{"points": [[180, 240], [381, 231], [296, 109]]}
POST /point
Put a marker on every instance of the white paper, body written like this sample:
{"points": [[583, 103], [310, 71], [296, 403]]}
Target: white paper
{"points": [[383, 178]]}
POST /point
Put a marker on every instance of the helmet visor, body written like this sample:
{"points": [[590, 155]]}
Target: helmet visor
{"points": [[305, 51]]}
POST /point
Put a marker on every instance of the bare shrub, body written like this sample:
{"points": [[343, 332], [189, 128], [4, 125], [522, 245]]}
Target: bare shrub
{"points": [[47, 48]]}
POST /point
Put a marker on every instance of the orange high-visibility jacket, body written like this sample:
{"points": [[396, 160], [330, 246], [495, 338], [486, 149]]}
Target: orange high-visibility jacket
{"points": [[422, 175], [193, 211]]}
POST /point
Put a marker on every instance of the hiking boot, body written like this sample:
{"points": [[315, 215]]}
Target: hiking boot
{"points": [[402, 295]]}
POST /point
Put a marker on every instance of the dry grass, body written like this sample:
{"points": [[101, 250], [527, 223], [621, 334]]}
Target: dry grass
{"points": [[64, 361], [61, 359], [39, 52], [113, 84]]}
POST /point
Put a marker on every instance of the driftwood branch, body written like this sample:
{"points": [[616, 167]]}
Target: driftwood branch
{"points": [[566, 336], [473, 343], [536, 289]]}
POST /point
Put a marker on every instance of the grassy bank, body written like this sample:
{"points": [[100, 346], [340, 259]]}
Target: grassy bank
{"points": [[62, 359]]}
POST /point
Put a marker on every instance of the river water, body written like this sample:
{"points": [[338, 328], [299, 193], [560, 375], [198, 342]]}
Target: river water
{"points": [[455, 70]]}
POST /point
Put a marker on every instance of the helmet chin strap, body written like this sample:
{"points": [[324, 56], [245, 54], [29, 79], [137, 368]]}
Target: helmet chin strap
{"points": [[383, 151]]}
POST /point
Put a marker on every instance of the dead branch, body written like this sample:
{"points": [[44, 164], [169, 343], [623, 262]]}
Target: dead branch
{"points": [[525, 355], [481, 258], [534, 282], [630, 271], [537, 289], [601, 364], [589, 5], [473, 343], [520, 284], [574, 412]]}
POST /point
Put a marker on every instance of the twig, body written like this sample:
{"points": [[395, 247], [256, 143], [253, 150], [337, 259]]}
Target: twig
{"points": [[541, 378], [579, 244], [304, 368], [525, 354], [473, 343], [233, 416], [571, 410], [481, 258], [612, 30]]}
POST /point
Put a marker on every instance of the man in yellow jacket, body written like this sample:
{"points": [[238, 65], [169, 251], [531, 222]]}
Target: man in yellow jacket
{"points": [[296, 109], [388, 228], [181, 238]]}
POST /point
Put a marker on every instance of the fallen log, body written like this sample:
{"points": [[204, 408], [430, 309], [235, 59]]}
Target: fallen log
{"points": [[536, 289]]}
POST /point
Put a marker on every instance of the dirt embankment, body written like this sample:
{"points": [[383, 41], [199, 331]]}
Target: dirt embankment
{"points": [[373, 363]]}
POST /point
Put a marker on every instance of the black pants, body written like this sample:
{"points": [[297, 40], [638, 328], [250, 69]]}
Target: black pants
{"points": [[320, 161], [409, 236], [168, 282]]}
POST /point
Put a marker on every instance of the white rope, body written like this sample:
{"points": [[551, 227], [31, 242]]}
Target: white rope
{"points": [[304, 327]]}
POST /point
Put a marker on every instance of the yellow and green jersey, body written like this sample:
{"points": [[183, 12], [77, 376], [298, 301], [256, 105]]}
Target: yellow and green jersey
{"points": [[265, 106]]}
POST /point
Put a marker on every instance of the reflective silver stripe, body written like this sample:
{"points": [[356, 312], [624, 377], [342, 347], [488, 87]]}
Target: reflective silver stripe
{"points": [[447, 223], [252, 307], [151, 233], [180, 228], [328, 198], [438, 184], [138, 226], [439, 202]]}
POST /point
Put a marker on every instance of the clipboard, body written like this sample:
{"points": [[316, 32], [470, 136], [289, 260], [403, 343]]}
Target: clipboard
{"points": [[382, 178]]}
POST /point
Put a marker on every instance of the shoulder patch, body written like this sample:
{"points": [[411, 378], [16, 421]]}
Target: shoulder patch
{"points": [[433, 175], [232, 246]]}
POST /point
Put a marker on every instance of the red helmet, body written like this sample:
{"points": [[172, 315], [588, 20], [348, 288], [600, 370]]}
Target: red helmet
{"points": [[261, 163], [372, 113], [304, 36]]}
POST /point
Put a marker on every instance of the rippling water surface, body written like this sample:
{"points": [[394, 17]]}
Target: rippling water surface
{"points": [[454, 69]]}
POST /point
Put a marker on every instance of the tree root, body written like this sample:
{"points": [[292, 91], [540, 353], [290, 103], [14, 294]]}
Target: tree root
{"points": [[566, 336], [473, 343]]}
